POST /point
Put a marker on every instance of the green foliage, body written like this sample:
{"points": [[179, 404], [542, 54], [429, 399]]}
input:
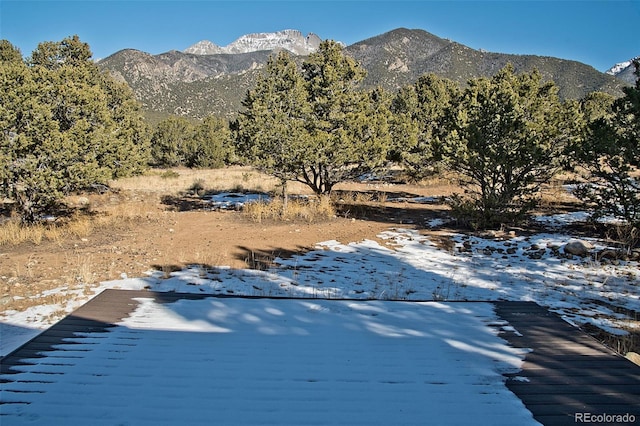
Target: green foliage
{"points": [[610, 153], [169, 174], [66, 126], [507, 136], [170, 142], [314, 126], [420, 113], [271, 130], [211, 147], [177, 141]]}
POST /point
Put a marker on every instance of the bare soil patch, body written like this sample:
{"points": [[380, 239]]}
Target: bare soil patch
{"points": [[158, 223]]}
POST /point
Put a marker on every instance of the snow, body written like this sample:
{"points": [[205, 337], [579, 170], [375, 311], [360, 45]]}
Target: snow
{"points": [[618, 68], [235, 200], [265, 361], [404, 265], [204, 47], [306, 347], [292, 40]]}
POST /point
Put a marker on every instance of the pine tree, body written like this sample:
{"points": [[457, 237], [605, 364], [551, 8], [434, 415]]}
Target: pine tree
{"points": [[211, 144], [335, 151], [419, 124], [68, 127], [314, 126], [610, 154], [507, 138], [271, 130], [171, 142]]}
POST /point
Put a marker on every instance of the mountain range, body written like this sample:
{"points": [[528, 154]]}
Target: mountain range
{"points": [[208, 79], [291, 40]]}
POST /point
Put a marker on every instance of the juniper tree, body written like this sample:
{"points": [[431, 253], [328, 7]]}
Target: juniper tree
{"points": [[313, 125], [419, 123], [171, 141], [610, 154], [66, 126], [348, 130], [271, 131], [507, 136], [210, 147]]}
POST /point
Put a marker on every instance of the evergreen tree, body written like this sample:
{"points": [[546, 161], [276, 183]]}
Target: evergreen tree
{"points": [[211, 144], [314, 126], [610, 154], [171, 142], [68, 126], [348, 136], [419, 125], [272, 128], [507, 138], [178, 141]]}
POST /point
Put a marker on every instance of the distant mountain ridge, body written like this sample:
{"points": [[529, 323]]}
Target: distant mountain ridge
{"points": [[291, 40], [198, 83], [624, 71], [400, 56]]}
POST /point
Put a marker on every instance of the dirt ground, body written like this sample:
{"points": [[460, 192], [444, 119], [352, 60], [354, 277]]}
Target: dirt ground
{"points": [[169, 235], [167, 242], [149, 223]]}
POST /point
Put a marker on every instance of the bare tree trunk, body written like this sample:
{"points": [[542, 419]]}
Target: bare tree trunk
{"points": [[285, 197]]}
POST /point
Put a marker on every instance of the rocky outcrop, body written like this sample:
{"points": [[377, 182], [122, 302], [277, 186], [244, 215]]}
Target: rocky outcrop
{"points": [[291, 40]]}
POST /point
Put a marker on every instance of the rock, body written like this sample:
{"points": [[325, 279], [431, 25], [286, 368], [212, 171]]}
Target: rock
{"points": [[578, 248], [536, 255], [609, 254]]}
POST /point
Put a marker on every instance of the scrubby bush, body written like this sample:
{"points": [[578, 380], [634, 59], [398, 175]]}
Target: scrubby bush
{"points": [[177, 141], [506, 138], [66, 126]]}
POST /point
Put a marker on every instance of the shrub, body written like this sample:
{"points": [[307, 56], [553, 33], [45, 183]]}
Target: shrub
{"points": [[65, 127], [314, 209], [507, 137]]}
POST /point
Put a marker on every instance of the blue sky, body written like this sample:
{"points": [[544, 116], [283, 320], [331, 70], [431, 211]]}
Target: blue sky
{"points": [[599, 33]]}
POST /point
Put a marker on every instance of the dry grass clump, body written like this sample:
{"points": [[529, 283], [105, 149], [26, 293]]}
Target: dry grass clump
{"points": [[79, 225], [12, 232], [555, 193], [312, 209]]}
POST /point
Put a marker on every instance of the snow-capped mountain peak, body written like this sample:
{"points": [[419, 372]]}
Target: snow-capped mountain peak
{"points": [[619, 67], [625, 71], [291, 40]]}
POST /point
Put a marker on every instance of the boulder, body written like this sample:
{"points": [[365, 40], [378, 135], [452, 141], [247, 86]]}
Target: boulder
{"points": [[578, 248], [609, 254]]}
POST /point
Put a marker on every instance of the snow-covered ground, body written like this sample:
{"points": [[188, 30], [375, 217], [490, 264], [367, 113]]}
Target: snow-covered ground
{"points": [[406, 266], [298, 361], [264, 361], [234, 200]]}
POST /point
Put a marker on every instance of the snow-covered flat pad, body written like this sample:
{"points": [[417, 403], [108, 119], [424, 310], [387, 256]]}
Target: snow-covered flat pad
{"points": [[276, 361]]}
